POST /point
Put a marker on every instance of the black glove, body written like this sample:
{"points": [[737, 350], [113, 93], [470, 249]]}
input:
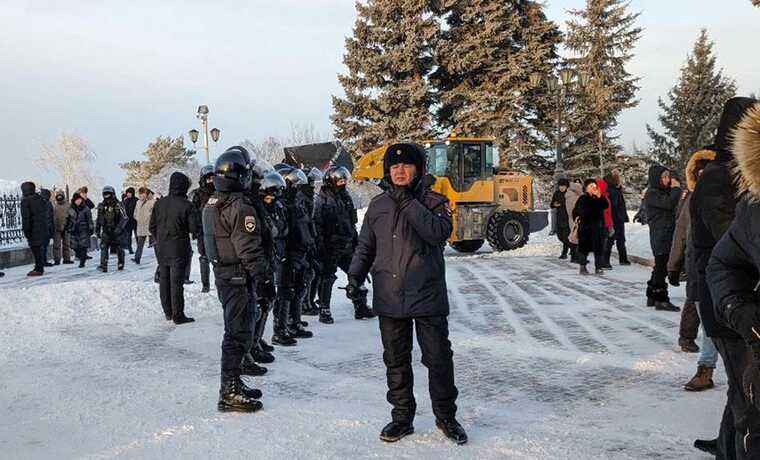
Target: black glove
{"points": [[674, 278], [265, 290], [400, 194], [741, 316], [355, 290]]}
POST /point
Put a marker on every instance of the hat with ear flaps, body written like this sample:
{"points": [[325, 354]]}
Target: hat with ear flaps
{"points": [[746, 149]]}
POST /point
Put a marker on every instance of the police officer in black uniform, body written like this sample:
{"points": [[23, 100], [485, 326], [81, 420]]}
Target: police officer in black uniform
{"points": [[232, 232], [314, 266], [110, 225], [270, 190], [335, 219], [200, 198], [299, 243]]}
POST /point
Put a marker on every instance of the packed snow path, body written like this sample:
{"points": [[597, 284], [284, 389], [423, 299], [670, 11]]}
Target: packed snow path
{"points": [[549, 365]]}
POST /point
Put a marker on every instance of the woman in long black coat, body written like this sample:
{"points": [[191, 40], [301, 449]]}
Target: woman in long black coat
{"points": [[563, 222], [591, 232], [80, 227]]}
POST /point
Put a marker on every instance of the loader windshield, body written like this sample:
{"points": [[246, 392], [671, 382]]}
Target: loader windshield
{"points": [[463, 163]]}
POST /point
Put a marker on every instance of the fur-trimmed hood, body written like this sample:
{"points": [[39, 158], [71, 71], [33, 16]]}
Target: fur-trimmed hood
{"points": [[747, 152], [692, 171]]}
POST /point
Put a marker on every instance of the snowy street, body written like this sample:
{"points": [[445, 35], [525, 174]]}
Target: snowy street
{"points": [[549, 365]]}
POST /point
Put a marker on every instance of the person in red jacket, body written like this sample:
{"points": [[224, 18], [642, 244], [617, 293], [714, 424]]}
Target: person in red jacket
{"points": [[609, 225]]}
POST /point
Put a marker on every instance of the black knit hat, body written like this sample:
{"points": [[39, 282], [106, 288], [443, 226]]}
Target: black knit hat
{"points": [[564, 182]]}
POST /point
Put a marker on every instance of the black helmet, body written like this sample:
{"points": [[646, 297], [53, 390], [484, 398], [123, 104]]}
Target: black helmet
{"points": [[108, 189], [334, 174], [243, 151], [272, 185], [280, 167], [294, 177], [233, 165], [206, 172], [314, 176], [260, 169]]}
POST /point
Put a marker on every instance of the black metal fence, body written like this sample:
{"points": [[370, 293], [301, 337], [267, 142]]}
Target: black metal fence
{"points": [[10, 220]]}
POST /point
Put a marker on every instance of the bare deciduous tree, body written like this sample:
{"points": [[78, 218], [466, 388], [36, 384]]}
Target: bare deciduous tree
{"points": [[71, 159]]}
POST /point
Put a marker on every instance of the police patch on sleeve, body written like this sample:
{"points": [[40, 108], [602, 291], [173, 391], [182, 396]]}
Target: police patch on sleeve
{"points": [[250, 224]]}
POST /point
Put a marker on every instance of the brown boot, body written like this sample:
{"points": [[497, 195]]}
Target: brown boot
{"points": [[701, 381]]}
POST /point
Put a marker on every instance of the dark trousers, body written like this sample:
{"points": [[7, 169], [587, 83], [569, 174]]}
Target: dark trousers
{"points": [[657, 288], [81, 253], [619, 241], [739, 435], [140, 246], [329, 271], [238, 325], [39, 258], [203, 262], [112, 243], [45, 247], [433, 338], [598, 258], [172, 288]]}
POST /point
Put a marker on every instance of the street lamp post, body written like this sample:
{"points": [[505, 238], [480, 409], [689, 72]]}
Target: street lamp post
{"points": [[560, 86], [202, 115]]}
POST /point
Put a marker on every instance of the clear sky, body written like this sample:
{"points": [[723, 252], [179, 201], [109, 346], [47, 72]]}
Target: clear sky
{"points": [[121, 73]]}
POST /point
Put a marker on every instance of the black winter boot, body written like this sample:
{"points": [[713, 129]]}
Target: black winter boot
{"points": [[665, 306], [325, 316], [452, 430], [205, 275], [261, 356], [710, 447], [623, 257], [232, 398], [361, 310], [253, 393], [249, 367], [394, 431], [583, 270], [265, 346], [280, 319]]}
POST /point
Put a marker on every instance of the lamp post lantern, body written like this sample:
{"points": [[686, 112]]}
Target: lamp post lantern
{"points": [[202, 115]]}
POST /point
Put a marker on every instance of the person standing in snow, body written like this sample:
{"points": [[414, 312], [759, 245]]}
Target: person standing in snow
{"points": [[402, 240], [662, 197], [110, 225], [172, 221], [589, 210], [335, 221], [574, 191], [35, 225], [560, 215], [200, 198], [619, 213], [143, 211], [61, 249], [129, 202], [713, 207], [609, 228], [242, 273], [45, 193], [79, 227]]}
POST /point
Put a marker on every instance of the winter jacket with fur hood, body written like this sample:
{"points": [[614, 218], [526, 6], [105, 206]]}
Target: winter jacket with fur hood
{"points": [[734, 267], [713, 206]]}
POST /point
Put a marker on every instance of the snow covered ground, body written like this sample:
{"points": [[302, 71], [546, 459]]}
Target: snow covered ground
{"points": [[550, 365]]}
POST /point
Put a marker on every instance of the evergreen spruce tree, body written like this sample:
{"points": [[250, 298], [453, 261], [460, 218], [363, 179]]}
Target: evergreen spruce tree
{"points": [[691, 113], [601, 38], [485, 56], [164, 151], [387, 95]]}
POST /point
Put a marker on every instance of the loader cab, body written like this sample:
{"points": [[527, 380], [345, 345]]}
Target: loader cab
{"points": [[464, 168]]}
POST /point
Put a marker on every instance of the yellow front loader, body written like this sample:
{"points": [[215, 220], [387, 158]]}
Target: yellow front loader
{"points": [[487, 204]]}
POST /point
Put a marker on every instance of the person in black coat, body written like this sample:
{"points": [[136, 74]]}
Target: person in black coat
{"points": [[79, 227], [173, 221], [47, 195], [713, 207], [561, 218], [402, 241], [335, 222], [662, 197], [619, 218], [200, 198], [35, 218], [110, 225], [589, 210], [130, 202]]}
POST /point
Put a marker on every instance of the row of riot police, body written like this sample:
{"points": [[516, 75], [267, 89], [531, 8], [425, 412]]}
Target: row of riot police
{"points": [[274, 246]]}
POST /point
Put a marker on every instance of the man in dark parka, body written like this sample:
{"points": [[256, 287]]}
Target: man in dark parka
{"points": [[726, 305], [402, 240], [35, 224]]}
